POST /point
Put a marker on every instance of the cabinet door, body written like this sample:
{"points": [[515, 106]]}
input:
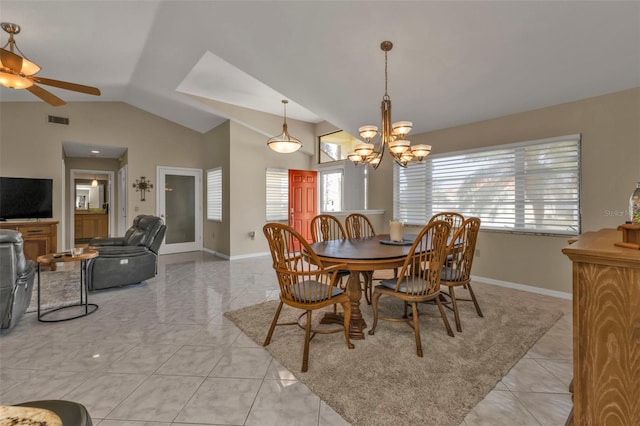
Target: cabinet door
{"points": [[103, 226], [34, 247], [607, 379]]}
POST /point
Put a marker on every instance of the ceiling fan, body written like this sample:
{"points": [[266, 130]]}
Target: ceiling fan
{"points": [[17, 72]]}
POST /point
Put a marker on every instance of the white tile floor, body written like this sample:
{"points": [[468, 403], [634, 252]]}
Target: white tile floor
{"points": [[161, 353]]}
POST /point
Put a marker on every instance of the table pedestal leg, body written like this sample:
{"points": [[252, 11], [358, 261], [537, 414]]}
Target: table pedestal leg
{"points": [[357, 324]]}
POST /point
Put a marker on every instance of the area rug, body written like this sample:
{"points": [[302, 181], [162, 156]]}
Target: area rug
{"points": [[58, 288], [383, 382]]}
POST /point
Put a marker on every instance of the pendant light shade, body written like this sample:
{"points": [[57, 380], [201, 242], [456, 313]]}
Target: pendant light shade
{"points": [[94, 182], [284, 143]]}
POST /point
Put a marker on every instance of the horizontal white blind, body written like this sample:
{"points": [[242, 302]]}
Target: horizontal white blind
{"points": [[214, 194], [525, 187], [277, 194]]}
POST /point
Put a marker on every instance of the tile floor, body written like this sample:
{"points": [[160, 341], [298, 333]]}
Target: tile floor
{"points": [[161, 353]]}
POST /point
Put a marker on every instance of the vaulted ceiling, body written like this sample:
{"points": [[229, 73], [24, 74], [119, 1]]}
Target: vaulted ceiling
{"points": [[452, 62]]}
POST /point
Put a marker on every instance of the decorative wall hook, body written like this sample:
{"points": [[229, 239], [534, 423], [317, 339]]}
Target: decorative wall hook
{"points": [[143, 186]]}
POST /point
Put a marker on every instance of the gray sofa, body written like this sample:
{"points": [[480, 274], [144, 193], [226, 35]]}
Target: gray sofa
{"points": [[129, 259], [17, 275]]}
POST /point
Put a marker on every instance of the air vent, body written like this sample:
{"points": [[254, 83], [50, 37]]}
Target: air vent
{"points": [[58, 120]]}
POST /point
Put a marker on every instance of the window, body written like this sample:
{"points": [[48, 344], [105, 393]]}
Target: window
{"points": [[335, 146], [331, 190], [277, 195], [214, 194], [525, 187]]}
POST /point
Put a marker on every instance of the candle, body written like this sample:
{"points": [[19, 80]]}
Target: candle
{"points": [[395, 232]]}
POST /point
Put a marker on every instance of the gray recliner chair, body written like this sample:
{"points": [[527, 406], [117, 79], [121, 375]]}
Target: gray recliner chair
{"points": [[17, 274], [129, 259]]}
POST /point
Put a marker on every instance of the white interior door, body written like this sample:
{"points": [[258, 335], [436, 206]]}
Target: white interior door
{"points": [[179, 194]]}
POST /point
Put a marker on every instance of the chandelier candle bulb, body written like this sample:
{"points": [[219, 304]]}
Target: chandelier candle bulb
{"points": [[396, 231]]}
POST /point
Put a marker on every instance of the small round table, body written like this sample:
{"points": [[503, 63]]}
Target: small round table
{"points": [[49, 259]]}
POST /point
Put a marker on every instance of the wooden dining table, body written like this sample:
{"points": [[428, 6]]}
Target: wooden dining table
{"points": [[360, 255]]}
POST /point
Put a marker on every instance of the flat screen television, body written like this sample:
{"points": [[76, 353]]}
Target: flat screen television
{"points": [[26, 198]]}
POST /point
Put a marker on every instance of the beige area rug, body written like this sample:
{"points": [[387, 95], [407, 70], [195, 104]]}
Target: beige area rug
{"points": [[383, 382], [58, 288]]}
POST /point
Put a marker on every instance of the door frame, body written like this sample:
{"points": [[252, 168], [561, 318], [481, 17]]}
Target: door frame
{"points": [[161, 172], [123, 201]]}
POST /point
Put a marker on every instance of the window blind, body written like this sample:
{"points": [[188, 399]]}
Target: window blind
{"points": [[277, 195], [214, 194], [526, 187]]}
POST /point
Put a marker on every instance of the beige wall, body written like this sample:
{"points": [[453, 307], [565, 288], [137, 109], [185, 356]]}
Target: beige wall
{"points": [[32, 147], [250, 158], [216, 154], [610, 128]]}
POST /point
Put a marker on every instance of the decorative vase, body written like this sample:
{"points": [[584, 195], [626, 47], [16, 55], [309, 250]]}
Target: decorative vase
{"points": [[634, 206]]}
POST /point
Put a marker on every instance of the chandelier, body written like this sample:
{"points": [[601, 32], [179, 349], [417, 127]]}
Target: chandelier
{"points": [[284, 143], [391, 135]]}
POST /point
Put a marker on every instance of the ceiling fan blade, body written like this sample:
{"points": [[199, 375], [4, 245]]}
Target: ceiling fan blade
{"points": [[46, 96], [66, 85], [11, 60]]}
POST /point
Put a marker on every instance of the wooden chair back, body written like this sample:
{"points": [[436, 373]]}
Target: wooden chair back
{"points": [[325, 227], [422, 269], [460, 252], [359, 226], [452, 218]]}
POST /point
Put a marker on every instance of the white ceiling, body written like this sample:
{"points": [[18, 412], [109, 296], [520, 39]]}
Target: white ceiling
{"points": [[452, 62]]}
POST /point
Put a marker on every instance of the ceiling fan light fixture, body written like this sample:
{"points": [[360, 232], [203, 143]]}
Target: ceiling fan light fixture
{"points": [[17, 72], [28, 67], [284, 143], [14, 81]]}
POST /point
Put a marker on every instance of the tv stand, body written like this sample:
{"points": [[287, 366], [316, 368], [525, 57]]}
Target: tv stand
{"points": [[40, 237]]}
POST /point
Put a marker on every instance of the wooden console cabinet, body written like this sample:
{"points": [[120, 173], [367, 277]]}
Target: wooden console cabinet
{"points": [[40, 237], [606, 330]]}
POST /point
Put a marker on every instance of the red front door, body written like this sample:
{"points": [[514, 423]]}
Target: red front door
{"points": [[303, 205]]}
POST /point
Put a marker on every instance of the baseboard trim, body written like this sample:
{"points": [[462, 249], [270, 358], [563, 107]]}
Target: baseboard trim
{"points": [[240, 256], [524, 287], [215, 253]]}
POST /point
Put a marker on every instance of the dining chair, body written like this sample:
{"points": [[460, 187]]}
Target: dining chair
{"points": [[457, 268], [452, 218], [325, 227], [359, 226], [429, 248], [305, 283]]}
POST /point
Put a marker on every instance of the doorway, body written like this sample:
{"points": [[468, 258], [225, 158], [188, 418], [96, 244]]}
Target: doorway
{"points": [[91, 197], [179, 194]]}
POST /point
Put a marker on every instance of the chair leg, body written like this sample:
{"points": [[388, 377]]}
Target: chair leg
{"points": [[416, 328], [444, 316], [368, 286], [307, 338], [346, 306], [475, 301], [273, 325], [374, 305], [406, 306], [456, 313]]}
